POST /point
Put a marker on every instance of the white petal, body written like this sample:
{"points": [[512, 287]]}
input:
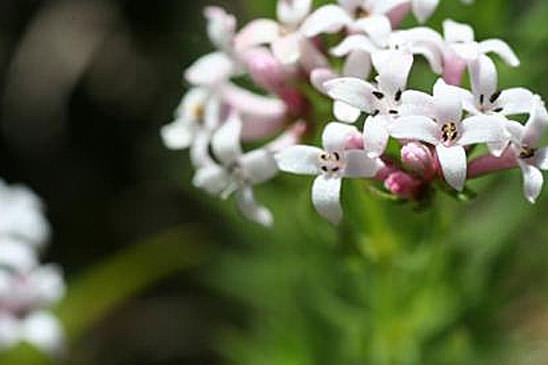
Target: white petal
{"points": [[10, 333], [353, 91], [199, 151], [378, 28], [359, 165], [537, 123], [220, 26], [351, 5], [192, 103], [353, 43], [453, 165], [484, 78], [414, 103], [393, 67], [345, 113], [447, 102], [467, 51], [335, 136], [179, 134], [502, 49], [310, 56], [226, 141], [293, 12], [210, 70], [416, 128], [498, 148], [541, 158], [457, 32], [357, 64], [287, 48], [423, 9], [320, 76], [257, 32], [299, 159], [17, 255], [515, 101], [212, 114], [259, 166], [375, 135], [432, 56], [43, 330], [251, 210], [212, 178], [327, 19], [482, 129], [48, 284], [532, 181], [326, 193]]}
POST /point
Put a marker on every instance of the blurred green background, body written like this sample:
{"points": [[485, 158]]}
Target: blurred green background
{"points": [[159, 273]]}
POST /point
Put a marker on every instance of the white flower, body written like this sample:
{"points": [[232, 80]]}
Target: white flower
{"points": [[461, 40], [288, 43], [17, 255], [236, 172], [385, 101], [22, 216], [24, 299], [331, 164], [531, 158], [449, 133]]}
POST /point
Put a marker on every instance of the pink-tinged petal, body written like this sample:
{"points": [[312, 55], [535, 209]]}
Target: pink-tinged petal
{"points": [[265, 69], [484, 78], [44, 330], [357, 64], [378, 28], [359, 165], [487, 164], [258, 32], [416, 128], [220, 27], [345, 113], [403, 185], [384, 6], [253, 211], [423, 9], [415, 103], [179, 134], [375, 135], [355, 42], [293, 12], [515, 101], [226, 141], [447, 103], [502, 49], [398, 14], [353, 91], [320, 76], [210, 70], [287, 48], [212, 178], [541, 158], [393, 67], [335, 136], [310, 56], [419, 159], [453, 68], [327, 19], [290, 137], [532, 181], [326, 192], [482, 129], [453, 165], [536, 125], [457, 32], [259, 166], [300, 159]]}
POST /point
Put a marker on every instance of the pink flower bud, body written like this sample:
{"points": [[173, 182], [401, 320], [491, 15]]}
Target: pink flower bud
{"points": [[453, 68], [403, 185], [418, 158], [354, 141], [399, 13]]}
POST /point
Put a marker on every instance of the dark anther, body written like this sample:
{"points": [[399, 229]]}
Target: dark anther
{"points": [[335, 169], [375, 112], [482, 97], [324, 168], [337, 157], [527, 152], [378, 94], [494, 97], [497, 110], [397, 97], [323, 156], [392, 111]]}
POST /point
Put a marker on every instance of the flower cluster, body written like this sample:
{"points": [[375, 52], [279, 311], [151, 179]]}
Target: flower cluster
{"points": [[27, 288], [409, 140]]}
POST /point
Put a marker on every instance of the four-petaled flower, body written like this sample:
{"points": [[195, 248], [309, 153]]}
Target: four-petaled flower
{"points": [[332, 163], [446, 130]]}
